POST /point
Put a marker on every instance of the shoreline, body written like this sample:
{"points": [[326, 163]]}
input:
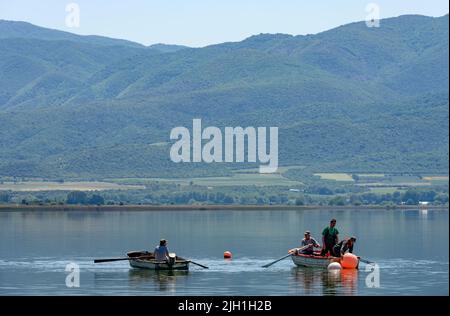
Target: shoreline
{"points": [[112, 208]]}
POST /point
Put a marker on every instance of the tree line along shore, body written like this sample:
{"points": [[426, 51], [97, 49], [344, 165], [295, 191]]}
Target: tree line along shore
{"points": [[263, 198], [235, 207]]}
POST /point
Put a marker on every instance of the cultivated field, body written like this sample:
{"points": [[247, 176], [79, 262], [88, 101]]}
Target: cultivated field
{"points": [[371, 175], [238, 179], [437, 179], [385, 190], [335, 176], [65, 186]]}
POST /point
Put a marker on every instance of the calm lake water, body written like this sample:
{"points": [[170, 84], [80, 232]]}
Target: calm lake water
{"points": [[410, 247]]}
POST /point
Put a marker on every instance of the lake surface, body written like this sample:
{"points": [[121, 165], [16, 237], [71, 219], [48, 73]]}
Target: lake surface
{"points": [[410, 248]]}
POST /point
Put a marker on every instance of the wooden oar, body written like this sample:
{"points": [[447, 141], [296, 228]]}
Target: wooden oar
{"points": [[268, 265], [365, 261], [198, 264], [120, 259], [284, 257]]}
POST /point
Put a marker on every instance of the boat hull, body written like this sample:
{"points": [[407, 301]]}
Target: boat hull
{"points": [[149, 262], [302, 260], [153, 265]]}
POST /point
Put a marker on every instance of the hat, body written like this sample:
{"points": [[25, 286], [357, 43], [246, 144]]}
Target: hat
{"points": [[307, 232], [353, 238]]}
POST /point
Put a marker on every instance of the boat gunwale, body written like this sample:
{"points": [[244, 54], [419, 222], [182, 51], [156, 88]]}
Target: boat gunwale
{"points": [[150, 265], [184, 261], [315, 257]]}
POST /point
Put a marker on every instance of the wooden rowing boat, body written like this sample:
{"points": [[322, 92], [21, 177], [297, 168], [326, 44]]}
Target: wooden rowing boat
{"points": [[146, 260], [314, 260]]}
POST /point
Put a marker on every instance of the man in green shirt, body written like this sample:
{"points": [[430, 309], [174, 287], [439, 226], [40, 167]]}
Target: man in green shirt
{"points": [[330, 237]]}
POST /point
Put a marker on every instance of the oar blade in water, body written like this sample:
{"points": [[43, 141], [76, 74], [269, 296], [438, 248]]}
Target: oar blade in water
{"points": [[284, 257], [110, 260], [268, 265], [366, 261], [198, 264]]}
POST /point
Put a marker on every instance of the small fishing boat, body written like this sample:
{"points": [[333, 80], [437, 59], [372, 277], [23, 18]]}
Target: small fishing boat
{"points": [[347, 261], [314, 260], [146, 260]]}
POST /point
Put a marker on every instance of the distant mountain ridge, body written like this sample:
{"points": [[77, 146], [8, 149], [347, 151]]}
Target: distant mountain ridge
{"points": [[351, 98], [167, 48], [19, 29]]}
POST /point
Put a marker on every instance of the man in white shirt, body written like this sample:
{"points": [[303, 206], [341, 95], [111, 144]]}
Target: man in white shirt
{"points": [[309, 241], [161, 252]]}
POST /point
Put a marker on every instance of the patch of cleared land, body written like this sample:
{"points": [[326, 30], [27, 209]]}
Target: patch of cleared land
{"points": [[280, 169], [396, 181], [385, 190], [238, 179], [436, 178], [395, 184], [335, 176], [371, 175], [65, 186]]}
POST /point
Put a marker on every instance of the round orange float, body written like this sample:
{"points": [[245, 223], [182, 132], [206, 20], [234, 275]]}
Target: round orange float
{"points": [[227, 254], [349, 261]]}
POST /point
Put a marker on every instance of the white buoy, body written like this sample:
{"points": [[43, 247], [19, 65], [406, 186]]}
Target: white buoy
{"points": [[334, 266]]}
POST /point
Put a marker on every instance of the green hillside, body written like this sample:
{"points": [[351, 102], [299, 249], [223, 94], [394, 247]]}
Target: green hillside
{"points": [[19, 29], [351, 99]]}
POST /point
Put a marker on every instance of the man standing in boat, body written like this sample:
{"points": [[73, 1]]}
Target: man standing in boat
{"points": [[330, 237], [309, 241], [161, 252]]}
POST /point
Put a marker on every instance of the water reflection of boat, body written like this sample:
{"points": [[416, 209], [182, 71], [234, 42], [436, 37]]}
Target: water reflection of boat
{"points": [[334, 282], [349, 281], [308, 278], [165, 280], [342, 282], [144, 275]]}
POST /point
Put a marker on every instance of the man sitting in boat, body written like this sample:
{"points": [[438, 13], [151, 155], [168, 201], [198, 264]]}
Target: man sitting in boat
{"points": [[346, 245], [330, 237], [161, 252], [309, 241]]}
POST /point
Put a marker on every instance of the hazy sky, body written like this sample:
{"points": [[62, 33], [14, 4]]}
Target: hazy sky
{"points": [[203, 22]]}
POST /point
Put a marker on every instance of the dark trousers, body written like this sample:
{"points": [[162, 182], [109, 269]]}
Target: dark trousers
{"points": [[308, 251], [336, 251], [329, 247]]}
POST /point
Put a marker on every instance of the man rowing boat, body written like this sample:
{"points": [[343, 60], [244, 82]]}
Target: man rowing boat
{"points": [[310, 242], [161, 252]]}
